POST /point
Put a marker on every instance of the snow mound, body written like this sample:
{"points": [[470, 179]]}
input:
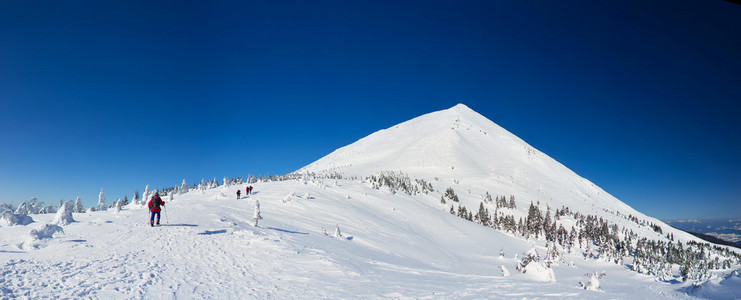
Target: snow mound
{"points": [[64, 215], [728, 287], [539, 272], [36, 238], [8, 218]]}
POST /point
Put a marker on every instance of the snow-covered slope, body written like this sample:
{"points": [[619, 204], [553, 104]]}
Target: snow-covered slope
{"points": [[392, 244], [462, 149]]}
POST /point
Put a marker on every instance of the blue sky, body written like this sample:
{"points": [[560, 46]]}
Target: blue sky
{"points": [[640, 98]]}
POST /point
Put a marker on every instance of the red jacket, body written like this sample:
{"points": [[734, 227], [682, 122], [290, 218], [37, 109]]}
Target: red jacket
{"points": [[156, 208]]}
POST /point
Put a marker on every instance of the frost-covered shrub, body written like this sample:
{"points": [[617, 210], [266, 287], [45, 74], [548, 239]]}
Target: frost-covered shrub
{"points": [[593, 284], [539, 272], [117, 206], [37, 236], [531, 266], [504, 271], [64, 214], [337, 232], [30, 206], [8, 218], [529, 256]]}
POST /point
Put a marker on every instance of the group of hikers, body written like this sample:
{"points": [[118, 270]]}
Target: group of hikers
{"points": [[248, 191], [155, 205]]}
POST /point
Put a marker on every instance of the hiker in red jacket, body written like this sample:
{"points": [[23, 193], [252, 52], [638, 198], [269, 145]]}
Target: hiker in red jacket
{"points": [[154, 207]]}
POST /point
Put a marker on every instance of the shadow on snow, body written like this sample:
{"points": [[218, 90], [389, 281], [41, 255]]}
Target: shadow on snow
{"points": [[211, 232], [286, 231]]}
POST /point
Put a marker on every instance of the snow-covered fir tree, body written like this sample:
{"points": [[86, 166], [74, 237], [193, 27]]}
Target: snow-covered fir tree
{"points": [[256, 215], [101, 202], [78, 206]]}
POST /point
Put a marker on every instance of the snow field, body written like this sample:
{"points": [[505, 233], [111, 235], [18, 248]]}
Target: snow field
{"points": [[393, 246]]}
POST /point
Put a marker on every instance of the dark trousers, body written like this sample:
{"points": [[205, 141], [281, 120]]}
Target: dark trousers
{"points": [[151, 218]]}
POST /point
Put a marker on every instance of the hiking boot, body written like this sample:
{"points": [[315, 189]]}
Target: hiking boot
{"points": [[151, 224]]}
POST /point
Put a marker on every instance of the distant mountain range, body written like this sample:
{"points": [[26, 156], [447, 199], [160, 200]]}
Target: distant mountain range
{"points": [[720, 231]]}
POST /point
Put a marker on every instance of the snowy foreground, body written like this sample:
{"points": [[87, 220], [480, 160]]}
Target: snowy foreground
{"points": [[391, 246]]}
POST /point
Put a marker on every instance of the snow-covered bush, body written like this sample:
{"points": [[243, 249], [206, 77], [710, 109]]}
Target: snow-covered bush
{"points": [[30, 206], [531, 266], [504, 271], [593, 284], [337, 232], [539, 272], [37, 236], [527, 257], [8, 218], [117, 206], [64, 214]]}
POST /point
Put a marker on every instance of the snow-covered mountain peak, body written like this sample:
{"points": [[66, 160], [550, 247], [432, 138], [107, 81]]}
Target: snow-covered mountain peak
{"points": [[461, 148], [433, 143]]}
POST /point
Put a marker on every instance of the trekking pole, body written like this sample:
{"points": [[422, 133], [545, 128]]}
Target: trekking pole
{"points": [[166, 218]]}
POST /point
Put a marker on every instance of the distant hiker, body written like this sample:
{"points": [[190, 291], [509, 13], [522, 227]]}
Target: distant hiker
{"points": [[247, 191], [256, 215], [250, 190], [239, 193], [154, 207]]}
